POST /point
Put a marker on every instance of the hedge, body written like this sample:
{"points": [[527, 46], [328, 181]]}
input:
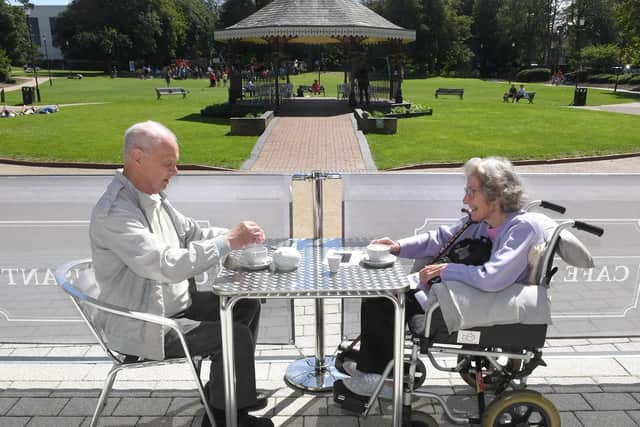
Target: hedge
{"points": [[534, 75]]}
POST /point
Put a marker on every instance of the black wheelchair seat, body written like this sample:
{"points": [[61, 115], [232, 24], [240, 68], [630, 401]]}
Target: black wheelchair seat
{"points": [[513, 337]]}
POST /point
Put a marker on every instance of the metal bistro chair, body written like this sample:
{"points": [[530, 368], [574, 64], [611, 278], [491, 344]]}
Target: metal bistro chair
{"points": [[78, 280]]}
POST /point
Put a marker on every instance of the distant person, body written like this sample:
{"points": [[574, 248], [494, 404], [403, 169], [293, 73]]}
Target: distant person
{"points": [[49, 109], [28, 109], [251, 89], [521, 93], [558, 78], [511, 93], [315, 88], [363, 85], [167, 77], [6, 112]]}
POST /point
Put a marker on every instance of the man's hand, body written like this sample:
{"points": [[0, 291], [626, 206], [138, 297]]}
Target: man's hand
{"points": [[428, 272], [394, 247], [245, 233]]}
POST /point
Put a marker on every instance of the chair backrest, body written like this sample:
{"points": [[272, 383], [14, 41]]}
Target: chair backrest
{"points": [[77, 279]]}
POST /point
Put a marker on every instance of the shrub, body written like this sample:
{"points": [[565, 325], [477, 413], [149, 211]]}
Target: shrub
{"points": [[602, 78], [533, 75], [5, 66], [600, 58], [216, 110]]}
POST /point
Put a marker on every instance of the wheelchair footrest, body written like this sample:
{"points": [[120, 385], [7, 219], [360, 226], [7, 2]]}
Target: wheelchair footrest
{"points": [[347, 399]]}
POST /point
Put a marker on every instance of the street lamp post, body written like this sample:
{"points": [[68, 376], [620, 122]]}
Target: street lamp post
{"points": [[27, 12], [513, 66], [578, 24], [46, 54]]}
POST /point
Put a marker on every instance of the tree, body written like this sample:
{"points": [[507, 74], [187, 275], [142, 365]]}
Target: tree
{"points": [[198, 41], [627, 14], [234, 11], [14, 33], [153, 31], [493, 51], [5, 66]]}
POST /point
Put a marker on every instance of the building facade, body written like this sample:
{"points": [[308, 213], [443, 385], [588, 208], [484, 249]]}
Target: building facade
{"points": [[41, 22]]}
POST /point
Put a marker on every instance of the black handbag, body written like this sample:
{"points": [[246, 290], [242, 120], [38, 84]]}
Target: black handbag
{"points": [[468, 251]]}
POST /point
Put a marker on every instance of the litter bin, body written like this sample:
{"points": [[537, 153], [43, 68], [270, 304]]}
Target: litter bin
{"points": [[28, 95], [580, 97]]}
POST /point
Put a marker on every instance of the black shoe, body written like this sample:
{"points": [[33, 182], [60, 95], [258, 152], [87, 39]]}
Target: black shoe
{"points": [[342, 356], [261, 402], [244, 420]]}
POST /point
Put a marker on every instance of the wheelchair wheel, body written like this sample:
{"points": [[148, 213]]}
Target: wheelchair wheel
{"points": [[521, 408], [420, 419], [491, 377], [420, 375]]}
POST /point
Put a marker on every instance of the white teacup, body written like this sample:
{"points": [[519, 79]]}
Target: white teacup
{"points": [[254, 255], [286, 258], [377, 252], [334, 260]]}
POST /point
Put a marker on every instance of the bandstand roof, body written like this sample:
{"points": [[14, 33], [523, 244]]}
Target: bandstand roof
{"points": [[315, 22]]}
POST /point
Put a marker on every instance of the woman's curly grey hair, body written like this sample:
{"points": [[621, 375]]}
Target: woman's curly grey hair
{"points": [[498, 181]]}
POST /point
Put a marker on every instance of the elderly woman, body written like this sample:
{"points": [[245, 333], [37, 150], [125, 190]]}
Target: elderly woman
{"points": [[495, 198]]}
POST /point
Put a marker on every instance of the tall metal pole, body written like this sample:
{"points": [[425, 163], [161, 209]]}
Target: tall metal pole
{"points": [[27, 11], [46, 54]]}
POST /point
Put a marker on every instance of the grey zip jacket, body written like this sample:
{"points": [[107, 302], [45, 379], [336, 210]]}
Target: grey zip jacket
{"points": [[136, 269]]}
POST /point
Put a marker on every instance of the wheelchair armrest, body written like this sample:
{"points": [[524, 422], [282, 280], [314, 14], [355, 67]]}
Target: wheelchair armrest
{"points": [[428, 315]]}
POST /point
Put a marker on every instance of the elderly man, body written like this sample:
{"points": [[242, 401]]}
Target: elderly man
{"points": [[145, 254]]}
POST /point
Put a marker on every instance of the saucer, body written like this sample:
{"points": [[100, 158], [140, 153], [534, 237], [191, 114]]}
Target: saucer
{"points": [[385, 262], [255, 267]]}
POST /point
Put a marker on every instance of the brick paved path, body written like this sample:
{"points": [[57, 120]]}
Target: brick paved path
{"points": [[311, 143]]}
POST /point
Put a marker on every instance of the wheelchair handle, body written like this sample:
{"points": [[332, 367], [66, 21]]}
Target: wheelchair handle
{"points": [[593, 229], [552, 206]]}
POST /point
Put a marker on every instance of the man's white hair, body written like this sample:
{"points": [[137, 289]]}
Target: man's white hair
{"points": [[145, 135]]}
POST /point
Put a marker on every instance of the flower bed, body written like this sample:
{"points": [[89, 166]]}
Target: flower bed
{"points": [[375, 124], [408, 114], [250, 125]]}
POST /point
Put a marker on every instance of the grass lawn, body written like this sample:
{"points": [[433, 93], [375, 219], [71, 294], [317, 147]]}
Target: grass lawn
{"points": [[479, 125], [93, 133], [482, 124]]}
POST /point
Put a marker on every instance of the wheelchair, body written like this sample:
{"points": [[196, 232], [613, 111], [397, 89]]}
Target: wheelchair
{"points": [[496, 359]]}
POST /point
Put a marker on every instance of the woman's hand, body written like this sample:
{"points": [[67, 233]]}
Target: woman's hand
{"points": [[429, 272], [394, 247]]}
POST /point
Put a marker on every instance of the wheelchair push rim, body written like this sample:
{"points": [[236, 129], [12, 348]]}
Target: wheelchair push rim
{"points": [[521, 408]]}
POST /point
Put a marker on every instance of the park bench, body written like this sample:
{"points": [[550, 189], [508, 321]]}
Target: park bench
{"points": [[307, 88], [171, 91], [528, 96], [445, 91]]}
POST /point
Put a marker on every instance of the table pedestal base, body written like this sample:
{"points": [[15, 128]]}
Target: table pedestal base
{"points": [[304, 375]]}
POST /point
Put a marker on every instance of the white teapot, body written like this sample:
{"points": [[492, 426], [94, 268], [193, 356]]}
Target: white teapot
{"points": [[286, 258]]}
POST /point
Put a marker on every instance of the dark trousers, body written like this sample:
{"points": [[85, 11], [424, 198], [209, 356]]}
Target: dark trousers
{"points": [[377, 329], [364, 94], [204, 338]]}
